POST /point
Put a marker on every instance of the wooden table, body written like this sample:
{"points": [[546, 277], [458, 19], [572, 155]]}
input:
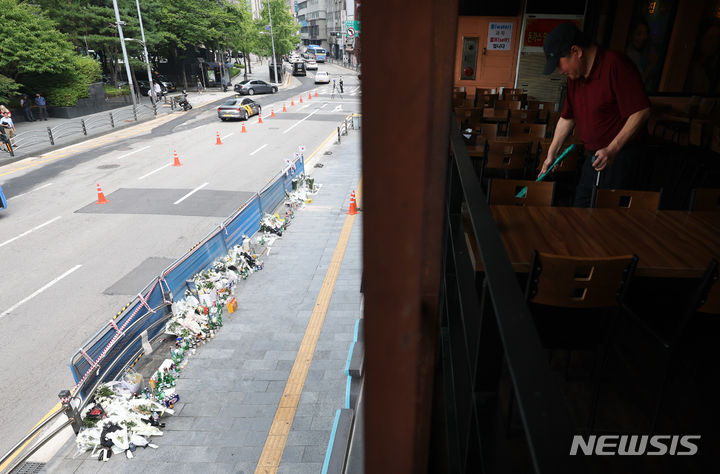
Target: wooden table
{"points": [[676, 244]]}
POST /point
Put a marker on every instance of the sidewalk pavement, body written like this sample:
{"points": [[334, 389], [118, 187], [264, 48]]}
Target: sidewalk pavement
{"points": [[40, 143], [231, 389]]}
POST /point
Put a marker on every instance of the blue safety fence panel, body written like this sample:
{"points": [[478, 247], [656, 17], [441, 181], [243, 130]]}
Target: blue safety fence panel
{"points": [[200, 258], [3, 201], [118, 356], [247, 222], [272, 196]]}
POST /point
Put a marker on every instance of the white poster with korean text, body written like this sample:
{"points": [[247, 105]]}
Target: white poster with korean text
{"points": [[499, 36]]}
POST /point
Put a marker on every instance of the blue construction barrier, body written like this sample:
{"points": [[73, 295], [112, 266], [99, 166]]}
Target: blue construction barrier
{"points": [[3, 201], [107, 354]]}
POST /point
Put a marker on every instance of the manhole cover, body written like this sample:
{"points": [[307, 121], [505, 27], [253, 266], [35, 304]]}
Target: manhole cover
{"points": [[328, 153], [30, 467], [108, 167]]}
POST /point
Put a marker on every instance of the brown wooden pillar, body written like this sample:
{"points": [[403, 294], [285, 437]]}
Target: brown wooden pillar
{"points": [[407, 64]]}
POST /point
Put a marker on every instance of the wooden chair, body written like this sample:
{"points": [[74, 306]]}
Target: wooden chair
{"points": [[498, 116], [505, 158], [533, 131], [625, 198], [510, 91], [575, 303], [527, 131], [504, 192], [687, 342], [524, 116], [489, 131], [705, 199], [508, 104], [485, 100]]}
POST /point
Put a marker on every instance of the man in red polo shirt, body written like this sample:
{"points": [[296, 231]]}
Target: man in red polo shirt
{"points": [[607, 104]]}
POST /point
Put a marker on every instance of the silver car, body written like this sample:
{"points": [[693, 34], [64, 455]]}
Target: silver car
{"points": [[238, 108]]}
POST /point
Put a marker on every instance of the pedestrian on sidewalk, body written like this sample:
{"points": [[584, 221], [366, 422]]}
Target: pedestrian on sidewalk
{"points": [[42, 106], [26, 104], [199, 85], [7, 125], [340, 83], [158, 91]]}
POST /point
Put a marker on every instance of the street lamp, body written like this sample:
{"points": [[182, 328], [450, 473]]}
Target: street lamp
{"points": [[272, 41], [125, 56], [147, 63], [147, 58]]}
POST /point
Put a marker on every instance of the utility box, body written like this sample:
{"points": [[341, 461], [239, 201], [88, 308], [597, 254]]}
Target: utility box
{"points": [[272, 73]]}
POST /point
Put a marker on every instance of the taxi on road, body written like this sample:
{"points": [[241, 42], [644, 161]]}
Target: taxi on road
{"points": [[238, 107]]}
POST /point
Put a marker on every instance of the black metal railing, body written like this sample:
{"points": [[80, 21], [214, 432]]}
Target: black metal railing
{"points": [[490, 352]]}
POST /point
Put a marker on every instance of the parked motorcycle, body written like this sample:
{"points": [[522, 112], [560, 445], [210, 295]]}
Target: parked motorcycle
{"points": [[182, 101]]}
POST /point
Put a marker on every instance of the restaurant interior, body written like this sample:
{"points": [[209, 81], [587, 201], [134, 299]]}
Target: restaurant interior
{"points": [[501, 322]]}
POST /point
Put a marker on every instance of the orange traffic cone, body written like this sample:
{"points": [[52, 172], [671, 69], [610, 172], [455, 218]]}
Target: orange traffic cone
{"points": [[272, 112], [176, 161], [292, 103], [284, 109], [301, 99], [218, 142], [243, 128], [309, 95], [260, 118], [101, 196], [316, 93], [353, 205]]}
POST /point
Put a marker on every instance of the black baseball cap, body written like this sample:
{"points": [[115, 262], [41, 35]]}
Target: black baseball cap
{"points": [[557, 43]]}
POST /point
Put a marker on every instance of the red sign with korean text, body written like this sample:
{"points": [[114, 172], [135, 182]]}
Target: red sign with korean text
{"points": [[537, 28]]}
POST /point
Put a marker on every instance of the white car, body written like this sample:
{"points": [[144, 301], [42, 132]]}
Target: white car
{"points": [[322, 77], [311, 64]]}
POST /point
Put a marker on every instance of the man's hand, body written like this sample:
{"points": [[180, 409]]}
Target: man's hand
{"points": [[605, 158], [547, 163]]}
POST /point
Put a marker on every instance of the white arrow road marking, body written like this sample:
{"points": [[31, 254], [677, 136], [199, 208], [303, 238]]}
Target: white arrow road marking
{"points": [[28, 231], [16, 305], [301, 120], [339, 107], [32, 190], [191, 193], [152, 172], [133, 152], [251, 154]]}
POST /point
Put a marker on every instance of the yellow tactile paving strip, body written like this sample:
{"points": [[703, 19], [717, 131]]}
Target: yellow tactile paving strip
{"points": [[277, 437]]}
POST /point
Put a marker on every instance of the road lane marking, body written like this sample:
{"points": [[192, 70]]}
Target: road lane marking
{"points": [[229, 134], [133, 152], [191, 193], [301, 120], [32, 190], [251, 154], [146, 175], [305, 106], [25, 300], [28, 231], [323, 106], [338, 108]]}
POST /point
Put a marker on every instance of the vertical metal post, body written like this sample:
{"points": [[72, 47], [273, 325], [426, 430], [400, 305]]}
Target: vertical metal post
{"points": [[52, 141], [147, 58], [112, 122], [124, 50], [337, 129], [135, 112], [82, 122], [70, 410]]}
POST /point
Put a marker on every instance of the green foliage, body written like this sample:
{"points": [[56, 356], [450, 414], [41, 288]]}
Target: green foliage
{"points": [[284, 28], [8, 88], [112, 91]]}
